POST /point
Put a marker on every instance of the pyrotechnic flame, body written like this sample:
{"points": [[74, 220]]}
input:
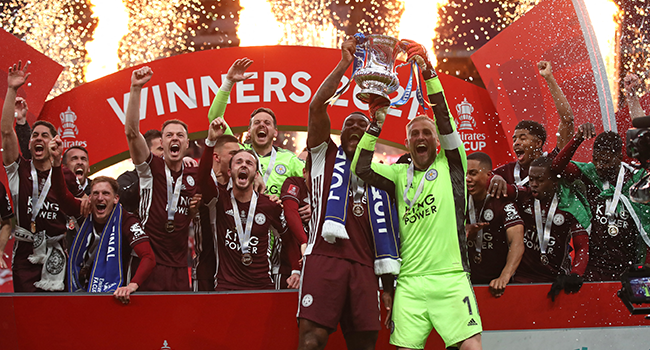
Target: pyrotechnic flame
{"points": [[604, 15], [112, 24], [257, 24], [53, 28], [419, 22]]}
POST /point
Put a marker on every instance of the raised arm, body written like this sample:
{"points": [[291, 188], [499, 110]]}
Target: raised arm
{"points": [[378, 175], [69, 204], [15, 79], [565, 127], [137, 144], [630, 85], [208, 187], [236, 73], [515, 236], [23, 131], [319, 121], [561, 162]]}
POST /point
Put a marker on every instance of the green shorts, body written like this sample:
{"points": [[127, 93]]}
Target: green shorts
{"points": [[445, 302]]}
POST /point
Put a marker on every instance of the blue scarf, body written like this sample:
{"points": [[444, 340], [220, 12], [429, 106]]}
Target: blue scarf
{"points": [[382, 212], [106, 275]]}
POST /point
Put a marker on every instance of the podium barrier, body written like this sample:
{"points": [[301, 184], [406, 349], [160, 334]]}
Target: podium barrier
{"points": [[523, 318]]}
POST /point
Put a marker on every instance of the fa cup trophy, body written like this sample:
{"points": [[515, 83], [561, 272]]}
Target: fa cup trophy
{"points": [[377, 76]]}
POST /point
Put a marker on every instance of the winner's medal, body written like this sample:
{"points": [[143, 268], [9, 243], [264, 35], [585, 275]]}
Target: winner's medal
{"points": [[612, 230], [38, 198], [544, 259], [246, 259], [244, 235], [173, 195], [544, 231], [357, 209], [478, 258]]}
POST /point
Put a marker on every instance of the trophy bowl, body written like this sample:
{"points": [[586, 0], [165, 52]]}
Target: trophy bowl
{"points": [[377, 74]]}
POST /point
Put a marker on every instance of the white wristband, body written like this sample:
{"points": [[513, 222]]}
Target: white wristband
{"points": [[209, 143], [295, 271], [226, 85]]}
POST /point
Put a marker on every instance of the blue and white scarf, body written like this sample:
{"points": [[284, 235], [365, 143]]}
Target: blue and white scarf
{"points": [[382, 212], [106, 275]]}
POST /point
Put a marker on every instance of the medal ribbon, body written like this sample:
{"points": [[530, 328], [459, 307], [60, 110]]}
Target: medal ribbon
{"points": [[611, 207], [38, 199], [269, 169], [517, 174], [544, 232], [409, 176], [173, 195], [472, 220], [244, 236], [358, 188]]}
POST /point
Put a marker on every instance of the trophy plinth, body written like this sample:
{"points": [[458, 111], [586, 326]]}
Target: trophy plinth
{"points": [[377, 75]]}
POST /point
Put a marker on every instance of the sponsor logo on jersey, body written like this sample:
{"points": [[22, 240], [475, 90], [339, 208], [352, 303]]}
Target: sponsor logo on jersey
{"points": [[307, 300], [68, 130], [472, 323], [260, 219], [281, 169], [230, 212], [423, 208]]}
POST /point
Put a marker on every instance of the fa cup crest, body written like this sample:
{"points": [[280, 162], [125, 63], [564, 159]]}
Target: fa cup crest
{"points": [[465, 120], [68, 129]]}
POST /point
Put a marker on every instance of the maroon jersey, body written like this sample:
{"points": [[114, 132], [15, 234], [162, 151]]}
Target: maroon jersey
{"points": [[360, 246], [501, 215], [232, 274], [6, 212], [170, 248], [565, 226], [132, 235], [205, 259], [294, 189], [507, 171]]}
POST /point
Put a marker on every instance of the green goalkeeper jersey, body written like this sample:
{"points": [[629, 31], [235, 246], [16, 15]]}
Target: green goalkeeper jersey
{"points": [[432, 233], [274, 167]]}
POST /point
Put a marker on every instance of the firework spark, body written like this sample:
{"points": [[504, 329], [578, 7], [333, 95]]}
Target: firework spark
{"points": [[111, 27]]}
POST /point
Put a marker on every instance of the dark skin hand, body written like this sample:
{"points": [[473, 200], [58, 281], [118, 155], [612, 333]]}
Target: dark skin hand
{"points": [[585, 132], [498, 187]]}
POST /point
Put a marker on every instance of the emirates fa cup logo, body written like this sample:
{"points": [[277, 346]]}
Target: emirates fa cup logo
{"points": [[68, 130], [465, 121]]}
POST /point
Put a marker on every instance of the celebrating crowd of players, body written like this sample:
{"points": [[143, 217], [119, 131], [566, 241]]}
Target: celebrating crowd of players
{"points": [[329, 225]]}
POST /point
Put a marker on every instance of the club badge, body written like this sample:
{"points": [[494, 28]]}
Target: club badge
{"points": [[357, 209], [260, 219], [488, 215], [281, 169], [431, 175]]}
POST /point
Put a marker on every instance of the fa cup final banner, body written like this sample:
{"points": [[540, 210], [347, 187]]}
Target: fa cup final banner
{"points": [[285, 78]]}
